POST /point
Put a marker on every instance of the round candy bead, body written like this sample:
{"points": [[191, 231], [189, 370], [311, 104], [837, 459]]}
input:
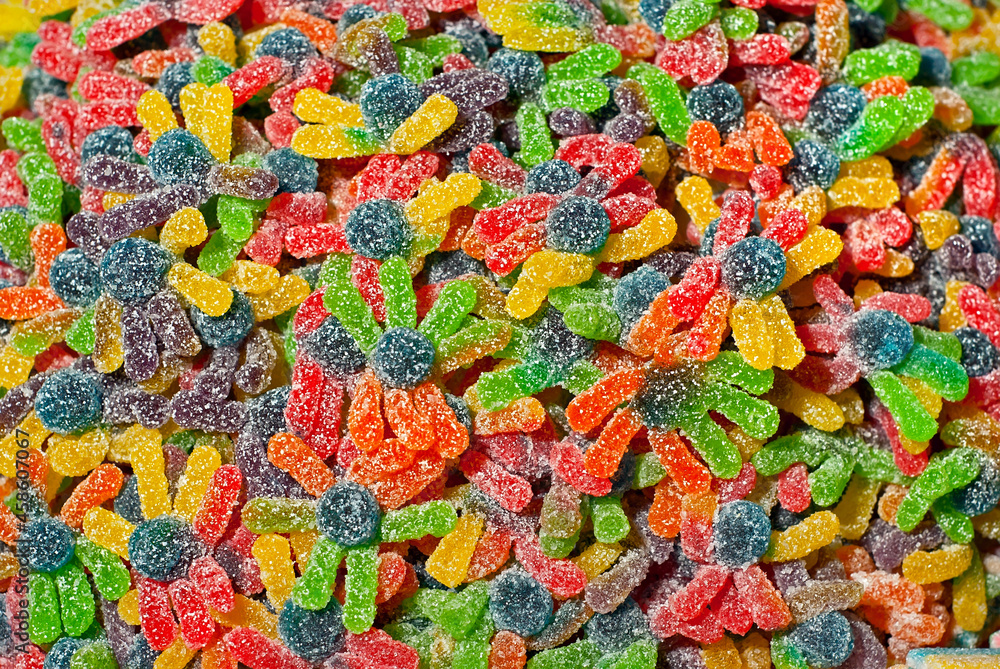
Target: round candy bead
{"points": [[378, 229], [178, 156], [332, 346], [552, 176], [75, 279], [403, 358], [227, 329], [133, 269], [46, 544], [348, 514], [312, 635], [69, 401], [825, 641], [742, 532], [578, 225], [519, 603], [162, 548]]}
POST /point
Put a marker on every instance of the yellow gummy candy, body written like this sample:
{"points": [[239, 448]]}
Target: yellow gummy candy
{"points": [[78, 456], [750, 332], [434, 116], [251, 277], [449, 563], [937, 226], [217, 39], [598, 558], [201, 464], [108, 529], [14, 367], [721, 655], [37, 434], [812, 203], [209, 294], [314, 107], [695, 195], [155, 114], [437, 199], [111, 200], [855, 507], [896, 265], [755, 652], [820, 246], [924, 567], [108, 353], [546, 269], [289, 292], [655, 158], [796, 542], [274, 555], [788, 350], [248, 613], [814, 409], [868, 193], [876, 167], [184, 229], [145, 447], [952, 317], [11, 79], [302, 545], [176, 656], [656, 230], [324, 141], [128, 607], [968, 596], [209, 115]]}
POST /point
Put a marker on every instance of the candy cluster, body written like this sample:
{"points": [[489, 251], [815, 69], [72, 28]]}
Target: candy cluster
{"points": [[402, 334]]}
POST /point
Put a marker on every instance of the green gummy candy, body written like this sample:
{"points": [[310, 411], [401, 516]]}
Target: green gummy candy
{"points": [[914, 421], [949, 14], [264, 515], [445, 317], [416, 66], [471, 654], [360, 588], [587, 95], [784, 655], [491, 196], [827, 483], [610, 522], [350, 83], [110, 576], [436, 47], [363, 141], [945, 343], [945, 376], [81, 335], [710, 440], [593, 61], [581, 654], [536, 141], [312, 591], [96, 655], [779, 455], [639, 655], [497, 390], [979, 68], [482, 330], [955, 524], [210, 70], [875, 129], [890, 59], [400, 300], [648, 471], [395, 27], [984, 103], [878, 465], [758, 418], [593, 321], [44, 625], [952, 469], [22, 134], [17, 53], [436, 518], [730, 367], [76, 601], [919, 105], [739, 23], [581, 376], [346, 303], [218, 254], [557, 548], [685, 17], [14, 239], [236, 216], [459, 614]]}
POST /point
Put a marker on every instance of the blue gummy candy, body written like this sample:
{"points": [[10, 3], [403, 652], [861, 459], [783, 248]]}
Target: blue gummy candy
{"points": [[333, 347], [523, 70], [174, 78], [61, 653], [742, 533], [378, 229], [635, 292], [312, 635], [386, 102], [288, 44], [296, 173], [720, 103], [880, 339], [266, 413], [227, 329], [979, 230], [179, 157], [127, 503], [555, 343], [578, 225], [519, 603], [812, 165], [825, 641], [133, 269], [553, 176], [355, 14], [935, 68], [141, 655], [162, 548], [834, 109], [75, 279], [46, 544], [69, 401], [614, 632], [979, 355], [403, 358], [348, 514], [753, 268], [983, 493], [112, 141]]}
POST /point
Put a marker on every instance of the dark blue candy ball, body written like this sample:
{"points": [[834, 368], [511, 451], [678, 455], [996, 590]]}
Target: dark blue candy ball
{"points": [[112, 141], [387, 101], [753, 268], [446, 265], [578, 225], [75, 279], [523, 70], [979, 230], [174, 78], [162, 548], [719, 103], [653, 12], [867, 30], [312, 635], [935, 68], [178, 157], [742, 533], [69, 401], [348, 514], [825, 641], [227, 329], [812, 165], [355, 14], [141, 655], [378, 229], [983, 493], [553, 176], [61, 653], [880, 339], [519, 603], [288, 44], [133, 269], [979, 355], [296, 173], [403, 358], [46, 544], [332, 346], [554, 342], [614, 632], [834, 109]]}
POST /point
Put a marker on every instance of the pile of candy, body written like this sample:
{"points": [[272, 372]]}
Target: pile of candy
{"points": [[414, 334]]}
